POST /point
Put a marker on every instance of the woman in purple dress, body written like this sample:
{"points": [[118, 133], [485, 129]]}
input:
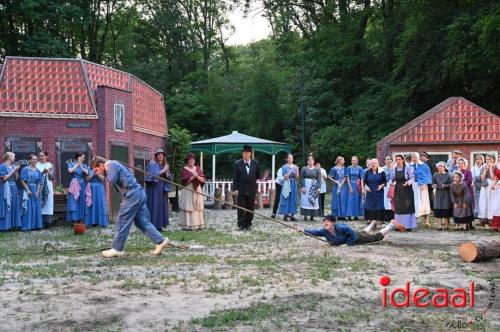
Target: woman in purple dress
{"points": [[157, 190], [468, 179]]}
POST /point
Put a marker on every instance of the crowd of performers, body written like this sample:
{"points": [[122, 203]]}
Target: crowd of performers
{"points": [[27, 193], [405, 189]]}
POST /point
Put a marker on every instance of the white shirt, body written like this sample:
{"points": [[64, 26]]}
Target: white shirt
{"points": [[279, 177], [322, 187]]}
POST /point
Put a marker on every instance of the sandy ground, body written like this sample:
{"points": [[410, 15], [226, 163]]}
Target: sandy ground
{"points": [[267, 279]]}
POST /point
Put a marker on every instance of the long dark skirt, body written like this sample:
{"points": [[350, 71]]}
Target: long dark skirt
{"points": [[157, 204]]}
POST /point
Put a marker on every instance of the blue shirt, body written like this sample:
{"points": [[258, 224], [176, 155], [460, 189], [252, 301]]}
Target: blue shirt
{"points": [[119, 176], [422, 174], [343, 234]]}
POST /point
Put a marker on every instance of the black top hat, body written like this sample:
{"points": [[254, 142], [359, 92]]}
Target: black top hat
{"points": [[426, 155], [247, 148]]}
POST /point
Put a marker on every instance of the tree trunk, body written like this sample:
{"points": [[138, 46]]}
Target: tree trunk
{"points": [[480, 250]]}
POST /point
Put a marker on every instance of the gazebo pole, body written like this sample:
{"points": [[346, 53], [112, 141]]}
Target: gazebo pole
{"points": [[213, 174], [273, 169], [201, 159]]}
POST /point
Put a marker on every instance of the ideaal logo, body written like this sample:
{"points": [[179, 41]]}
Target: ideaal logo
{"points": [[441, 297]]}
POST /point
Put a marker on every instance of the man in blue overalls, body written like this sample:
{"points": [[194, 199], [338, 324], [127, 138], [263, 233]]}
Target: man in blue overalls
{"points": [[132, 208]]}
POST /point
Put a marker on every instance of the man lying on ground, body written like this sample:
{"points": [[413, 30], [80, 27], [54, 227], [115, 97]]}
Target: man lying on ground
{"points": [[338, 234]]}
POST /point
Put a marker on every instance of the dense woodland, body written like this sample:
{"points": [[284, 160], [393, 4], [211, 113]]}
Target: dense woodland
{"points": [[361, 68]]}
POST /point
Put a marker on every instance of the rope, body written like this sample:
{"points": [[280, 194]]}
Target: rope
{"points": [[222, 201]]}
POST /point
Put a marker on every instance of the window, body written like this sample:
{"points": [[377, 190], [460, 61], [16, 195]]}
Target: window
{"points": [[119, 117], [66, 153], [473, 155], [141, 160], [439, 156]]}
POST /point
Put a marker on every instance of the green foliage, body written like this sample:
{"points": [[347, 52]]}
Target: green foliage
{"points": [[368, 66], [179, 143]]}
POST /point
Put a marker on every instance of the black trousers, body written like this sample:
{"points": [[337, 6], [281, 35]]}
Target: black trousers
{"points": [[431, 196], [364, 237], [277, 198], [322, 204], [245, 218]]}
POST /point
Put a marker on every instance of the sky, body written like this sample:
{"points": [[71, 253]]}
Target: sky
{"points": [[248, 29]]}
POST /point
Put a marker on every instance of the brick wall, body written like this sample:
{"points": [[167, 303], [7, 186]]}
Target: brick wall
{"points": [[48, 131]]}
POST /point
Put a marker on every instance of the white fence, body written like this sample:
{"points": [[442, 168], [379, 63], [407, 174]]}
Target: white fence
{"points": [[209, 188]]}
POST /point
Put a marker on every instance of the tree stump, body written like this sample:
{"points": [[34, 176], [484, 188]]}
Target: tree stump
{"points": [[260, 202], [228, 198], [480, 250], [218, 198], [272, 197]]}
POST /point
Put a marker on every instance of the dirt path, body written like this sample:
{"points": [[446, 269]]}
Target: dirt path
{"points": [[266, 279]]}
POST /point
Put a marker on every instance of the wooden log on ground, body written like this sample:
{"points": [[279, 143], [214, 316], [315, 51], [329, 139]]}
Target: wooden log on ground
{"points": [[480, 250], [218, 196], [228, 198], [272, 197]]}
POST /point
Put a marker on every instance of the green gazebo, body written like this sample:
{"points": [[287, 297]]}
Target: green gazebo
{"points": [[234, 143]]}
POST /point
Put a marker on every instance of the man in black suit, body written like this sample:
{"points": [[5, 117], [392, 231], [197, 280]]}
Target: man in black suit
{"points": [[245, 175]]}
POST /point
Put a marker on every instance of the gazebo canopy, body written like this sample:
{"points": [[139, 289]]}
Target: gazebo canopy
{"points": [[234, 143]]}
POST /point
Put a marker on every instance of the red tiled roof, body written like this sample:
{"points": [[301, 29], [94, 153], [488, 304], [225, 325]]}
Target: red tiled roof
{"points": [[455, 120], [53, 87], [46, 87], [149, 113], [101, 75]]}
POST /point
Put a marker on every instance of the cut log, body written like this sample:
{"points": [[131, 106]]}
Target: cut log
{"points": [[480, 250], [218, 196], [228, 198], [260, 202]]}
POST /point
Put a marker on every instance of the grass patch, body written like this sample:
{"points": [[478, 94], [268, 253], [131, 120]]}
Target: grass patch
{"points": [[276, 313], [209, 236], [256, 312], [323, 267]]}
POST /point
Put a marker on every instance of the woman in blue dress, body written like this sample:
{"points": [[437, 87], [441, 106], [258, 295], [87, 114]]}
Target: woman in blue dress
{"points": [[340, 190], [289, 195], [157, 190], [10, 206], [76, 193], [355, 175], [97, 208], [374, 183], [32, 181]]}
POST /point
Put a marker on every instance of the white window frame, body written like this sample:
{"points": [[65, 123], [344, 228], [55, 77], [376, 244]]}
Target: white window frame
{"points": [[472, 153], [123, 117], [431, 153], [449, 154]]}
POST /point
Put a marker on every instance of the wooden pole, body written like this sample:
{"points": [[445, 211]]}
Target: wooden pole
{"points": [[480, 250]]}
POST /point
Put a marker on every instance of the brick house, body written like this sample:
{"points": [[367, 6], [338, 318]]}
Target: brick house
{"points": [[456, 123], [68, 105]]}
